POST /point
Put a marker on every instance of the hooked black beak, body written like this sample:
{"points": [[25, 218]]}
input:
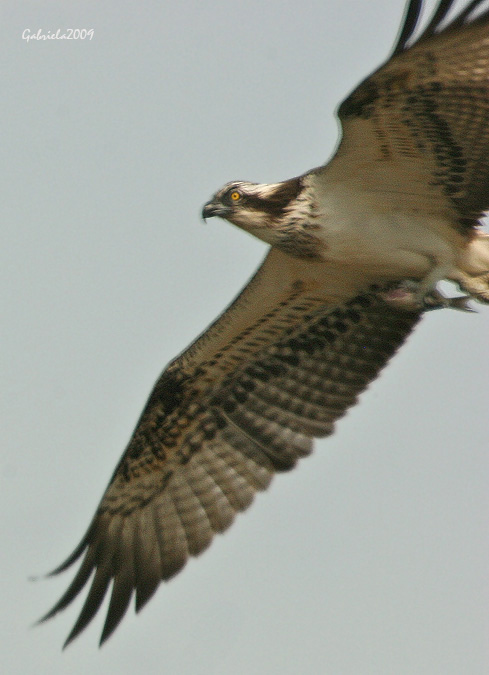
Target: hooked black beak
{"points": [[214, 209]]}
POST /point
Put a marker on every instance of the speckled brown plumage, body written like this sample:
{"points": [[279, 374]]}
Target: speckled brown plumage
{"points": [[317, 322], [430, 104], [258, 420]]}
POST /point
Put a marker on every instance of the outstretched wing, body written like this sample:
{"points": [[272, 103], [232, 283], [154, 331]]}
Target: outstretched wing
{"points": [[417, 129], [278, 368]]}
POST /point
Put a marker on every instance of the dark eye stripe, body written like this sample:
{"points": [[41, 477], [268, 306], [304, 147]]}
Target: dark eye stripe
{"points": [[274, 204]]}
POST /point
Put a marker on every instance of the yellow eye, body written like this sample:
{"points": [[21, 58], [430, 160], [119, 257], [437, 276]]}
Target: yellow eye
{"points": [[235, 196]]}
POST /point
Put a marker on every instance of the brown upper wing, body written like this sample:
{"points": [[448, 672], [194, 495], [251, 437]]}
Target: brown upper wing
{"points": [[205, 444], [418, 128]]}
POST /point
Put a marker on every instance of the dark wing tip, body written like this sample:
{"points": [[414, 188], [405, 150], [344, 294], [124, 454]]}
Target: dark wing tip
{"points": [[74, 588], [122, 590], [408, 26], [77, 553], [145, 592], [99, 557], [411, 19], [114, 556], [94, 599], [119, 603], [440, 13], [464, 15], [413, 13]]}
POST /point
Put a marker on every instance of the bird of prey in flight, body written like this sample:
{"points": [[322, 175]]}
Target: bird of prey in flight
{"points": [[357, 247]]}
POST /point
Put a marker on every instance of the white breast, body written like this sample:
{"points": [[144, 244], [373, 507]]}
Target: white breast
{"points": [[385, 241]]}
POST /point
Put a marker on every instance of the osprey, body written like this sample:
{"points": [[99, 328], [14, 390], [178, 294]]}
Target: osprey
{"points": [[357, 249]]}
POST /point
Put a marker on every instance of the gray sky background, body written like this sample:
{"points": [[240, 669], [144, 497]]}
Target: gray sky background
{"points": [[372, 556]]}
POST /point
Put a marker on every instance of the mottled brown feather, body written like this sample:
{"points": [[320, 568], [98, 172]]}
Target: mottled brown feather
{"points": [[259, 420], [295, 350], [417, 127]]}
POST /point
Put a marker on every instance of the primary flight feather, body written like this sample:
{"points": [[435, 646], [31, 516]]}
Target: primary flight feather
{"points": [[357, 248]]}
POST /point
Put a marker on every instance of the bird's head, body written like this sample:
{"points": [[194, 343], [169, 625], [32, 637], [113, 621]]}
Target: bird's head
{"points": [[261, 209]]}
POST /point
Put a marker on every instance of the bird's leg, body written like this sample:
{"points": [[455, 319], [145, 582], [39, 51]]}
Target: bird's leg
{"points": [[406, 295]]}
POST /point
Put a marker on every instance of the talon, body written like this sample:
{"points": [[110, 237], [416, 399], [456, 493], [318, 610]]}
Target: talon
{"points": [[436, 300], [407, 295], [460, 303]]}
